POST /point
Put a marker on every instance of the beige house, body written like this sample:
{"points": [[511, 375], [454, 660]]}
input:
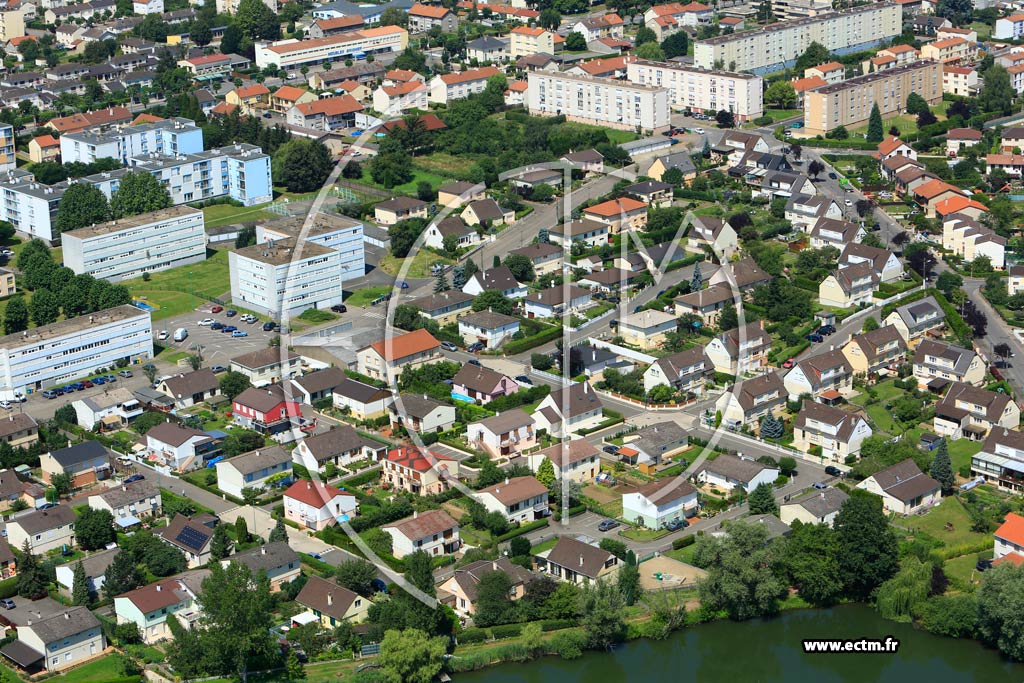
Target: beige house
{"points": [[396, 100], [460, 590], [915, 320], [389, 212], [708, 232], [67, 638], [824, 372], [624, 213], [752, 399], [816, 507], [456, 194], [20, 430], [332, 604], [647, 329], [444, 307], [970, 412], [579, 460], [904, 488], [935, 360], [267, 366], [432, 531], [837, 433], [706, 304], [526, 40], [546, 258], [849, 287], [505, 435], [44, 530], [386, 359], [43, 148], [519, 499], [577, 562], [875, 350], [408, 469], [740, 351]]}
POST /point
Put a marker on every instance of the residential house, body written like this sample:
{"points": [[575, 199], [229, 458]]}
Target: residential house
{"points": [[892, 146], [520, 499], [740, 351], [603, 26], [671, 18], [929, 194], [267, 366], [1001, 460], [1015, 283], [619, 214], [432, 531], [752, 400], [95, 566], [551, 302], [894, 165], [660, 503], [714, 234], [958, 139], [1009, 540], [421, 414], [44, 148], [327, 114], [180, 448], [253, 470], [729, 471], [970, 412], [150, 607], [267, 409], [316, 505], [504, 435], [386, 359], [19, 430], [686, 372], [332, 604], [578, 460], [968, 237], [190, 388], [849, 287], [904, 488], [12, 488], [250, 98], [654, 445], [318, 385], [883, 262], [444, 307], [450, 226], [288, 96], [423, 18], [364, 401], [339, 446], [821, 373], [707, 304], [585, 410], [486, 327], [498, 279], [421, 474], [475, 383], [804, 211], [525, 41], [837, 433], [576, 562], [816, 507], [277, 559], [192, 536], [915, 320], [87, 463], [447, 88], [322, 28], [949, 50], [129, 503], [588, 161], [527, 181], [396, 100], [389, 212], [680, 160], [647, 329], [487, 49], [828, 232], [652, 192], [592, 361], [871, 352], [546, 258], [591, 233], [44, 530], [454, 195], [744, 275], [461, 587], [831, 72], [936, 364], [68, 638]]}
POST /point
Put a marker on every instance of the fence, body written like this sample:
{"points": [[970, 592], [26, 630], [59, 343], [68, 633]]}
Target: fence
{"points": [[644, 404]]}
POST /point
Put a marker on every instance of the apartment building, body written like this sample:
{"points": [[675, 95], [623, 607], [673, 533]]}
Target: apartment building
{"points": [[395, 100], [526, 40], [128, 247], [423, 18], [277, 278], [598, 101], [775, 47], [458, 86], [12, 22], [168, 137], [949, 50], [7, 161], [789, 10], [327, 114], [702, 90], [292, 53], [964, 80], [1009, 28], [849, 103], [62, 351]]}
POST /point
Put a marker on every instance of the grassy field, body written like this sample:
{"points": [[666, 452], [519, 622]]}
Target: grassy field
{"points": [[180, 290], [683, 554], [102, 669], [316, 316], [882, 419], [983, 30], [444, 164], [418, 268], [418, 175], [363, 297], [225, 214], [617, 137], [961, 451], [951, 511]]}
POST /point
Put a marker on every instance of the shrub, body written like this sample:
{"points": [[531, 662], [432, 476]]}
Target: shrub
{"points": [[472, 635], [556, 624], [506, 631], [683, 542], [569, 644]]}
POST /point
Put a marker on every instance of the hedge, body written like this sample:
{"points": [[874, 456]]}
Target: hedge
{"points": [[805, 283], [520, 345], [316, 565], [953, 318], [519, 531], [683, 542], [683, 263], [556, 624], [472, 635], [364, 478], [507, 631], [577, 510], [9, 587], [680, 193]]}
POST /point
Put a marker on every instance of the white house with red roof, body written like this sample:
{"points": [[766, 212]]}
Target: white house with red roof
{"points": [[395, 100], [432, 531], [604, 26], [667, 19], [409, 469], [327, 114], [386, 359], [1009, 540], [892, 146], [315, 505], [958, 139], [458, 86]]}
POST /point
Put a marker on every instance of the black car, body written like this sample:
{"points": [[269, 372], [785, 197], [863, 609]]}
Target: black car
{"points": [[607, 525], [833, 176], [816, 338], [523, 379], [820, 485], [826, 330], [983, 565], [474, 361], [340, 308], [217, 326], [611, 450], [475, 347], [268, 326], [676, 525], [134, 477], [833, 471]]}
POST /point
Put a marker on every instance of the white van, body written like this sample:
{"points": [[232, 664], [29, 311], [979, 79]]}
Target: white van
{"points": [[180, 334]]}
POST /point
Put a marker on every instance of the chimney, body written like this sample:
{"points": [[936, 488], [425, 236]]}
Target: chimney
{"points": [[309, 486], [67, 615], [586, 388], [581, 560], [263, 550], [159, 588], [330, 599]]}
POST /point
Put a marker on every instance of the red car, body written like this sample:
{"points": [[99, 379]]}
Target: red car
{"points": [[789, 363], [216, 309]]}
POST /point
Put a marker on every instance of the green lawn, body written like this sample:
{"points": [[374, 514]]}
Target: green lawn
{"points": [[364, 296], [419, 267], [102, 669], [418, 175], [961, 451], [885, 391], [638, 534], [962, 570], [683, 554], [226, 214], [934, 523], [617, 137], [984, 30], [882, 419], [315, 315], [180, 290], [546, 545], [907, 124]]}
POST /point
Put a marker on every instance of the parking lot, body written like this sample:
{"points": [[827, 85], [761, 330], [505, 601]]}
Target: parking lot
{"points": [[217, 346]]}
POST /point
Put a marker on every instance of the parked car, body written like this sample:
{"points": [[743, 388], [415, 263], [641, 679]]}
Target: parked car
{"points": [[228, 329], [611, 450], [523, 379], [6, 405], [134, 478], [162, 335], [676, 525], [109, 379], [206, 322], [827, 330], [87, 384], [239, 333], [99, 381], [216, 309], [125, 373], [815, 338], [474, 361], [790, 362], [231, 313], [833, 471], [833, 176], [268, 326], [49, 393], [7, 603], [217, 326], [607, 525], [698, 131], [218, 369], [820, 485], [340, 308], [475, 347], [448, 346]]}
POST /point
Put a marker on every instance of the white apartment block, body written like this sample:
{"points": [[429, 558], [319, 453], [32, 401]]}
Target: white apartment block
{"points": [[60, 352], [169, 137], [775, 47], [128, 247], [598, 101], [1009, 28], [702, 90], [340, 233], [276, 278], [7, 162], [292, 53], [27, 205]]}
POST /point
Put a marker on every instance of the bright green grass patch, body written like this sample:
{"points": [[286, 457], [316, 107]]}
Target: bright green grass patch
{"points": [[961, 451], [949, 511], [419, 267], [363, 297], [181, 290], [418, 176], [226, 214], [102, 669], [882, 419], [315, 315]]}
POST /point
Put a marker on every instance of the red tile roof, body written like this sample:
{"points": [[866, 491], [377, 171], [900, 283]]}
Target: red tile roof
{"points": [[614, 207], [257, 90], [46, 141], [1012, 530], [330, 106], [470, 75], [314, 494], [431, 11], [414, 459], [405, 345], [289, 92]]}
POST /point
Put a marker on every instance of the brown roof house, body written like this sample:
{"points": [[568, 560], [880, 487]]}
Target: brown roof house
{"points": [[20, 430], [837, 433], [460, 590], [150, 607], [332, 604], [340, 446], [267, 366], [970, 412], [904, 488], [585, 410], [579, 460], [729, 471], [363, 401], [521, 499], [422, 414], [660, 502], [432, 531], [318, 384], [192, 536], [937, 363], [475, 383], [577, 562], [874, 351], [740, 351], [752, 399], [505, 435], [829, 371], [190, 388], [129, 503]]}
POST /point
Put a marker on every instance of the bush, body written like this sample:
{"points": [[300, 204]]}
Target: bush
{"points": [[569, 644], [556, 624], [506, 631], [523, 529], [472, 635], [683, 542]]}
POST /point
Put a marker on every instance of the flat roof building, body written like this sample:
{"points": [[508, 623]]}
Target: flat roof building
{"points": [[598, 101], [702, 90]]}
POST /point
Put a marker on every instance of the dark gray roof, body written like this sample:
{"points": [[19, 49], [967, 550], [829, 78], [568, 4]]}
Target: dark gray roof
{"points": [[658, 437], [488, 320], [126, 494], [844, 422], [905, 481], [506, 421], [667, 490], [342, 439], [821, 503], [267, 556], [477, 378], [469, 576], [499, 279], [79, 453], [733, 467], [65, 624], [254, 461], [321, 380], [580, 557], [43, 520], [358, 391], [582, 399], [198, 381], [487, 43], [17, 422], [418, 406]]}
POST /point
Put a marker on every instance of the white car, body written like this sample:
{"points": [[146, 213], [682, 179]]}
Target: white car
{"points": [[698, 131], [206, 322], [6, 405], [162, 335], [849, 203]]}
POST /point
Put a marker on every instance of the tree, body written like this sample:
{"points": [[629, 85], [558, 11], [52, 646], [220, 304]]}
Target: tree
{"points": [[220, 546], [233, 383], [519, 547], [764, 12], [81, 205], [294, 670], [138, 192], [697, 281], [1003, 351], [279, 532], [651, 51], [900, 595], [916, 104], [645, 35], [725, 119], [441, 282], [62, 482], [810, 560], [957, 11], [411, 656], [676, 45], [942, 469], [549, 18], [601, 619], [815, 168], [575, 42], [876, 130], [493, 604], [772, 427], [926, 118], [94, 529], [302, 165], [868, 551], [257, 21], [200, 33], [79, 585], [394, 16], [953, 616], [948, 281], [762, 500], [493, 300], [741, 579], [15, 315], [66, 415], [781, 94], [242, 529], [541, 361], [838, 133], [521, 267], [122, 575], [32, 579], [629, 582], [997, 93], [45, 307], [357, 576], [815, 54], [546, 473], [404, 234], [231, 41], [419, 572]]}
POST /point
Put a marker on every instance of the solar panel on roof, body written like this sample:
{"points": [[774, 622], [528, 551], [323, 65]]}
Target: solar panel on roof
{"points": [[192, 538]]}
